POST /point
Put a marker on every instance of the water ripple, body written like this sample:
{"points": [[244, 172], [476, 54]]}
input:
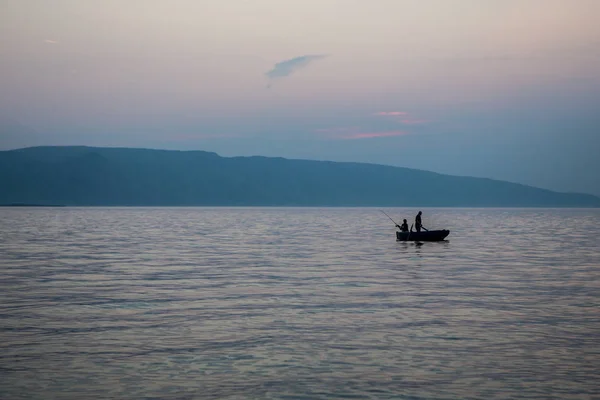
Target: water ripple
{"points": [[278, 303]]}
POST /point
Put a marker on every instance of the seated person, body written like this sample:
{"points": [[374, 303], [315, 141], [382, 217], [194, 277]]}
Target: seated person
{"points": [[403, 227]]}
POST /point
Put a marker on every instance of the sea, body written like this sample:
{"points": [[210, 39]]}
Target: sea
{"points": [[298, 303]]}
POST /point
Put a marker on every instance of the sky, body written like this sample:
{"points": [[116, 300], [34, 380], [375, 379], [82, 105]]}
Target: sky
{"points": [[503, 89]]}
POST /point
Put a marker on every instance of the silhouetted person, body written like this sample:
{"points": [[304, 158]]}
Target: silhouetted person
{"points": [[403, 227], [418, 224]]}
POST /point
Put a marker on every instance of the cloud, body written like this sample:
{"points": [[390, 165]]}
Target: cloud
{"points": [[391, 113], [401, 117], [288, 67], [50, 41]]}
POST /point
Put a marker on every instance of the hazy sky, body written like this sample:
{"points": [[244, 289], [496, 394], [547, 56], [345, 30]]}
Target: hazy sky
{"points": [[508, 89]]}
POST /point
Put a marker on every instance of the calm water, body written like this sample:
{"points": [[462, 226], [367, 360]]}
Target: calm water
{"points": [[210, 303]]}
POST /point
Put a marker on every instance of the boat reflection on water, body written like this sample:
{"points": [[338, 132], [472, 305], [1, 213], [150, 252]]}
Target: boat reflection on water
{"points": [[426, 236]]}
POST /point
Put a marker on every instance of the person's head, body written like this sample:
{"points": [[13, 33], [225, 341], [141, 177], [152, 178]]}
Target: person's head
{"points": [[420, 213], [404, 221]]}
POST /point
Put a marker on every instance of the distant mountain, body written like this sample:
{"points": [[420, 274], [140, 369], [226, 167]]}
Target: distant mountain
{"points": [[89, 176]]}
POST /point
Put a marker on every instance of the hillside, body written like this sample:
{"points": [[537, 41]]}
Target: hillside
{"points": [[88, 176]]}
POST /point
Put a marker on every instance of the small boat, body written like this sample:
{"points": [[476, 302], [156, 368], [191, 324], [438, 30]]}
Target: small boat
{"points": [[423, 236]]}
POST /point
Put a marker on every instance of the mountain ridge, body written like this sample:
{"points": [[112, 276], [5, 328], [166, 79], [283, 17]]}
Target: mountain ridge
{"points": [[121, 176]]}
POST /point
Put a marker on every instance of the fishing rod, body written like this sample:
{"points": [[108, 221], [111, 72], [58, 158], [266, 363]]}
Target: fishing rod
{"points": [[389, 217]]}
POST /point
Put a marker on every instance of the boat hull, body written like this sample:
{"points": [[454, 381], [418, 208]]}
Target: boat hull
{"points": [[423, 236]]}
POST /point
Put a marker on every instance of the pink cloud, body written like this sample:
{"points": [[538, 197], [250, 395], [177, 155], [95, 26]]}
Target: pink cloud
{"points": [[401, 117], [391, 113]]}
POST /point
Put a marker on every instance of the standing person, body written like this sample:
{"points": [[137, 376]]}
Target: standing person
{"points": [[418, 224]]}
